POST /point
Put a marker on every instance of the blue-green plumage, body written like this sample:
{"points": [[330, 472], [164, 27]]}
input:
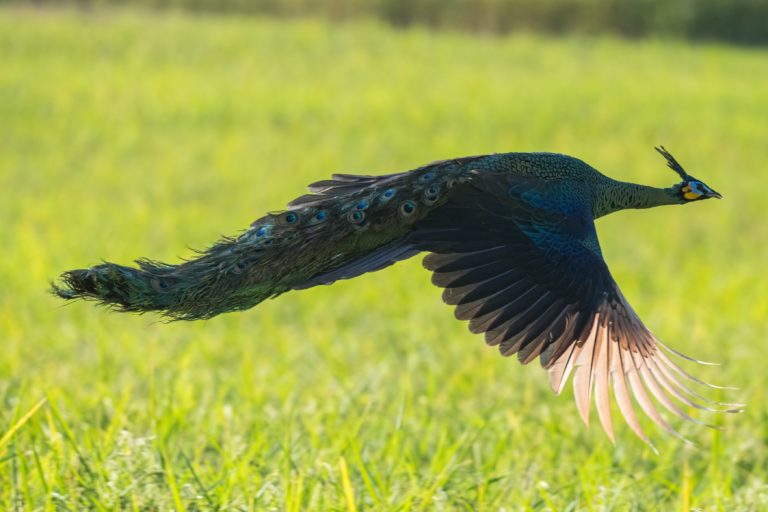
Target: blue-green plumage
{"points": [[511, 239]]}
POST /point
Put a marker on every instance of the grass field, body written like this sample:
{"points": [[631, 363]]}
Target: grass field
{"points": [[130, 134]]}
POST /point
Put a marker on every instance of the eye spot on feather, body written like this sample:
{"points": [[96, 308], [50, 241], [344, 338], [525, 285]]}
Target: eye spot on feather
{"points": [[160, 285], [320, 216], [356, 216], [291, 217], [431, 194], [362, 205], [387, 195], [407, 208], [240, 266], [262, 231], [429, 176]]}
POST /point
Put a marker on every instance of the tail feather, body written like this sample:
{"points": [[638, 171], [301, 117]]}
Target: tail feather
{"points": [[197, 289], [124, 288], [383, 257], [345, 227]]}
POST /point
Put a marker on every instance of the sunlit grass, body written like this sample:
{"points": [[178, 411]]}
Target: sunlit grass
{"points": [[135, 134]]}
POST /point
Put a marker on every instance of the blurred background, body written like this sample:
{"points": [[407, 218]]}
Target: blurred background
{"points": [[151, 128], [738, 21]]}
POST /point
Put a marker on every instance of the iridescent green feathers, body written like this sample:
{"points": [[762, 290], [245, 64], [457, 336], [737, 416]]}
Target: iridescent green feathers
{"points": [[346, 226]]}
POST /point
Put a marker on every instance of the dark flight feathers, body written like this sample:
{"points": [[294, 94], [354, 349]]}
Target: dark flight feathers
{"points": [[534, 281]]}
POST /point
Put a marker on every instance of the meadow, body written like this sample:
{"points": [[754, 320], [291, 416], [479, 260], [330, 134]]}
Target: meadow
{"points": [[131, 133]]}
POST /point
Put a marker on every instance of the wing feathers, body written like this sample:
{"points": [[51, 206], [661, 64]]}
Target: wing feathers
{"points": [[543, 330], [471, 276], [452, 262], [466, 294], [683, 393], [602, 384], [687, 358], [663, 357], [653, 386], [485, 305], [622, 397], [638, 390], [582, 385], [622, 354], [529, 274]]}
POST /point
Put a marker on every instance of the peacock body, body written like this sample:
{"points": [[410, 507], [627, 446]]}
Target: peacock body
{"points": [[511, 239]]}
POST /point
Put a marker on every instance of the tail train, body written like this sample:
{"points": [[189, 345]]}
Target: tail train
{"points": [[344, 227]]}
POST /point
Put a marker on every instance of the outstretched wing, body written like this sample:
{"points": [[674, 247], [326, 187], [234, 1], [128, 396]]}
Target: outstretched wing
{"points": [[530, 275]]}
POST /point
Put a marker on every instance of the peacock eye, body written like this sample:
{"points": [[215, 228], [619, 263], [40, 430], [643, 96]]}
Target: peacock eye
{"points": [[320, 216], [261, 232], [356, 217], [428, 176], [161, 285], [362, 205], [407, 208], [431, 195], [387, 195], [291, 217]]}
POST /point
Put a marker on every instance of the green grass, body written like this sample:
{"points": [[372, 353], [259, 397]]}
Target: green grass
{"points": [[130, 134]]}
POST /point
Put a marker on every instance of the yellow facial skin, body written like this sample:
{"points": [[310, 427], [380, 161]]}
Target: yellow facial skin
{"points": [[689, 194]]}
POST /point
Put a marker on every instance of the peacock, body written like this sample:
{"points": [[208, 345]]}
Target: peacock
{"points": [[511, 240]]}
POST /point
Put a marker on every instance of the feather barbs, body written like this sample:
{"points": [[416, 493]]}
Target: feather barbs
{"points": [[349, 203], [628, 363]]}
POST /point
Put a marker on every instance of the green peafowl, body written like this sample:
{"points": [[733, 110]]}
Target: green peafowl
{"points": [[511, 239]]}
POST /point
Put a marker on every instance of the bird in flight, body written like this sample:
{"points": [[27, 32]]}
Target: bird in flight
{"points": [[511, 239]]}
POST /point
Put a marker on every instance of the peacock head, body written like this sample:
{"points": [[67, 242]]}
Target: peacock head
{"points": [[690, 189]]}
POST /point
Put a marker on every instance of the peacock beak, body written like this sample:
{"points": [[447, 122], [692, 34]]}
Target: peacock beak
{"points": [[714, 194]]}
